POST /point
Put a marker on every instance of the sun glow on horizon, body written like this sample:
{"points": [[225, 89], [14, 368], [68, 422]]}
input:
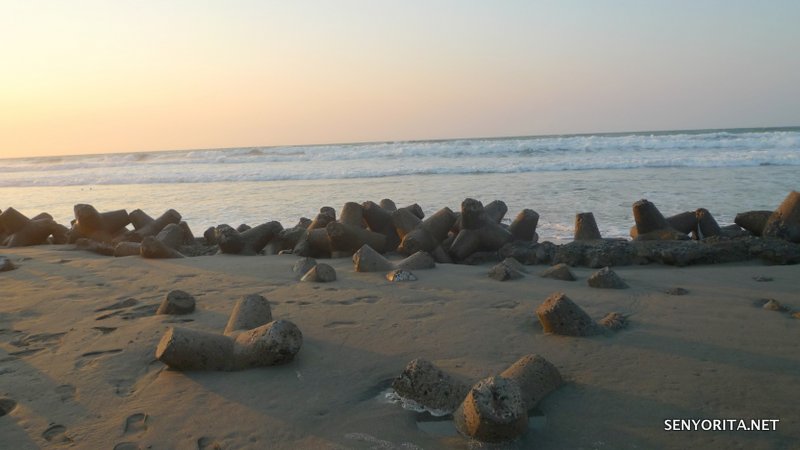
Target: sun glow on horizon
{"points": [[103, 77]]}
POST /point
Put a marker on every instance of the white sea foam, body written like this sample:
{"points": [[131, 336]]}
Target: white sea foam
{"points": [[517, 155], [726, 172]]}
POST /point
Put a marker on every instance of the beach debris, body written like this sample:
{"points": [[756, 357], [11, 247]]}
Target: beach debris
{"points": [[796, 315], [784, 222], [17, 230], [613, 321], [320, 273], [676, 291], [426, 384], [606, 278], [153, 248], [523, 227], [303, 265], [6, 264], [504, 272], [401, 275], [559, 271], [770, 304], [586, 227], [428, 234], [762, 278], [268, 342], [753, 221], [560, 315], [177, 302], [493, 411], [249, 242]]}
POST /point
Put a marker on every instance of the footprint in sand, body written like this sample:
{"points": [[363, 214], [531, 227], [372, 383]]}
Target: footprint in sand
{"points": [[41, 338], [126, 303], [135, 423], [340, 324], [65, 392], [101, 352], [56, 433], [27, 352], [208, 443], [105, 330], [7, 405], [90, 357], [380, 443]]}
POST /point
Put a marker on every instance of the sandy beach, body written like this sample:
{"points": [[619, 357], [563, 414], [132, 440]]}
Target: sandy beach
{"points": [[85, 376]]}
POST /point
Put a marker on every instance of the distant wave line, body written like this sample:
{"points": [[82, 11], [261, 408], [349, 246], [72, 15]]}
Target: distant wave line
{"points": [[189, 177]]}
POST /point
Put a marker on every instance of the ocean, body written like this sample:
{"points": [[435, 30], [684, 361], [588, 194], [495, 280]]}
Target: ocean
{"points": [[724, 171]]}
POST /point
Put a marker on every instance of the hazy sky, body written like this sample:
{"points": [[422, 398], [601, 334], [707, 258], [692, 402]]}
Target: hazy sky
{"points": [[107, 76]]}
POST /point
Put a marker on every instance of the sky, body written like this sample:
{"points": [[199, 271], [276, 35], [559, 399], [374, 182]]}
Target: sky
{"points": [[99, 77]]}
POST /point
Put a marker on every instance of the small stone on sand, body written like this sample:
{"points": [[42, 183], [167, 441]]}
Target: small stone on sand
{"points": [[401, 275]]}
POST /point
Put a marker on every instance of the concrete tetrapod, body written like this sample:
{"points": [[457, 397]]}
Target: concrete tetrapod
{"points": [[480, 231], [429, 234], [784, 223], [366, 259], [17, 230], [523, 228], [98, 226], [560, 315], [145, 225], [429, 386], [249, 242], [268, 343], [493, 411], [651, 224]]}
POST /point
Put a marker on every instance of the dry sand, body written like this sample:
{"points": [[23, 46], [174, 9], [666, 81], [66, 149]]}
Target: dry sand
{"points": [[83, 381]]}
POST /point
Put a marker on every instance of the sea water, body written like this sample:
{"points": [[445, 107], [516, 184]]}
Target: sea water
{"points": [[725, 171]]}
